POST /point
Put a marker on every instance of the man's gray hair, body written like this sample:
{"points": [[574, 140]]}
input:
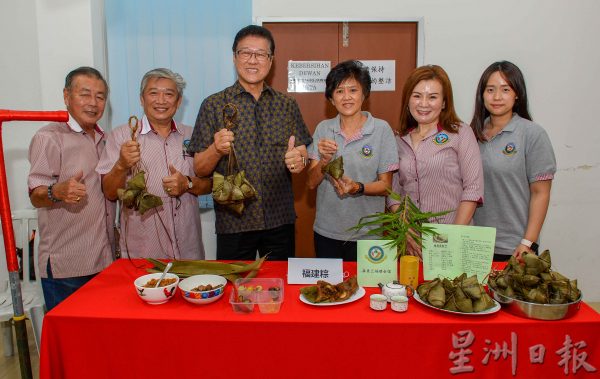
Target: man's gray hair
{"points": [[163, 73]]}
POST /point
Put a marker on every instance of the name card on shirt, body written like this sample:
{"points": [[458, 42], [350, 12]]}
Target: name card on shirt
{"points": [[376, 263], [310, 270], [457, 249]]}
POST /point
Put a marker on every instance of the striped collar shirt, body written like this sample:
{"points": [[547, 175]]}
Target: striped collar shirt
{"points": [[172, 230], [442, 171], [75, 238]]}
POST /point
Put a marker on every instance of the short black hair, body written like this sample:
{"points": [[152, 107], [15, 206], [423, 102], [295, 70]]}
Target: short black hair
{"points": [[85, 71], [254, 30], [344, 71]]}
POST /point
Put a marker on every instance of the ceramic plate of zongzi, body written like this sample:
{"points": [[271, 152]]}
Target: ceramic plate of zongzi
{"points": [[489, 311], [360, 292]]}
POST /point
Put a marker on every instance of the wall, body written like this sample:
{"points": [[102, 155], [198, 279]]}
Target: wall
{"points": [[57, 37], [551, 40]]}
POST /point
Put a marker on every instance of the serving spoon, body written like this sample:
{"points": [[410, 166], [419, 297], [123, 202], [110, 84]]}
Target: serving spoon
{"points": [[167, 268]]}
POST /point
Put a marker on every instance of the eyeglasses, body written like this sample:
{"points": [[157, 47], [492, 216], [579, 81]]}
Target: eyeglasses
{"points": [[260, 55]]}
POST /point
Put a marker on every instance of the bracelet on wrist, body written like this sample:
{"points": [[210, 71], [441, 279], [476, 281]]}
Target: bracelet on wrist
{"points": [[51, 194]]}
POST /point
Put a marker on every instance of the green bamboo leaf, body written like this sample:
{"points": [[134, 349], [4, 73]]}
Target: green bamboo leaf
{"points": [[396, 226], [198, 267]]}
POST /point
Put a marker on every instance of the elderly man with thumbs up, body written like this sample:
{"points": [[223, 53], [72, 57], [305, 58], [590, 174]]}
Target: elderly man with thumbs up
{"points": [[75, 220], [160, 149], [269, 138]]}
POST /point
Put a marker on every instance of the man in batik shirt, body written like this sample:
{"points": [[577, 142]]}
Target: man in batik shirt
{"points": [[270, 144]]}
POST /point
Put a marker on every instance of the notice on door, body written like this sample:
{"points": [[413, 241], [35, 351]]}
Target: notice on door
{"points": [[307, 76], [383, 74]]}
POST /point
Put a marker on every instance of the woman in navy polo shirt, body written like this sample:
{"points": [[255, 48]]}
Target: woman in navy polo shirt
{"points": [[368, 150], [518, 161]]}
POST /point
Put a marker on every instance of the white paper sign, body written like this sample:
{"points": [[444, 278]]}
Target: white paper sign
{"points": [[383, 74], [307, 76], [310, 270]]}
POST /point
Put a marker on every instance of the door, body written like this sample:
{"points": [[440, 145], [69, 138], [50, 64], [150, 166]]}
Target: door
{"points": [[337, 42]]}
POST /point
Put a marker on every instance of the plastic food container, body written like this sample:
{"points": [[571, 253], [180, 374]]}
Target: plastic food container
{"points": [[266, 293]]}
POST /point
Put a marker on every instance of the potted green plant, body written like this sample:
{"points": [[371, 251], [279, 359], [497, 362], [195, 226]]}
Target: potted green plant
{"points": [[407, 221], [397, 227]]}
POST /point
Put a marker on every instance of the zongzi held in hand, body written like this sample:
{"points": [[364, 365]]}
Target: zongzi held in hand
{"points": [[335, 168], [135, 196]]}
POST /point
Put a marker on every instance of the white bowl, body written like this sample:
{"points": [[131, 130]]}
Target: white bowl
{"points": [[158, 295], [202, 297]]}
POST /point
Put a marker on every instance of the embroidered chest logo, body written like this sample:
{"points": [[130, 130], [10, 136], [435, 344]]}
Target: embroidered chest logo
{"points": [[367, 151], [440, 139], [510, 149], [186, 145]]}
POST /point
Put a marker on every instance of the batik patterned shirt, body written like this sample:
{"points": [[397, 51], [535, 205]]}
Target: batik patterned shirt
{"points": [[263, 128]]}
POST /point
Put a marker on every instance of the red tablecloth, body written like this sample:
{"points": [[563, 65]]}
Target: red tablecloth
{"points": [[105, 331]]}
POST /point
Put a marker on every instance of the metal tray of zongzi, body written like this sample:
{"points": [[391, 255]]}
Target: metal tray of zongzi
{"points": [[537, 311]]}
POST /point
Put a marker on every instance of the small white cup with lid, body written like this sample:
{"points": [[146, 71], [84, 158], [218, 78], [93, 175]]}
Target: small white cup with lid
{"points": [[378, 302], [399, 303]]}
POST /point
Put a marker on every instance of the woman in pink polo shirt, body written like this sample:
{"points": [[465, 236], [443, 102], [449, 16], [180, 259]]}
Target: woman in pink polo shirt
{"points": [[440, 165]]}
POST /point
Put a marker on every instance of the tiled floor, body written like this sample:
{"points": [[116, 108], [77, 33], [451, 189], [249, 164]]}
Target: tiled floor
{"points": [[9, 366]]}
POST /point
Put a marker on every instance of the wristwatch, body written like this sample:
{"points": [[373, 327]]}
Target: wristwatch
{"points": [[361, 189], [532, 245], [190, 183]]}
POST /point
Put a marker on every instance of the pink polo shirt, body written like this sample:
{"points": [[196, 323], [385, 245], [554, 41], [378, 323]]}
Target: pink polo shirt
{"points": [[76, 238], [172, 230], [444, 170]]}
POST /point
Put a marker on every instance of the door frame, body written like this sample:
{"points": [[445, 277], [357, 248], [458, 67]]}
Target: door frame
{"points": [[419, 20], [303, 198]]}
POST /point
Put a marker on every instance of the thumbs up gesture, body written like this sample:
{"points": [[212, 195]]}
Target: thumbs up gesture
{"points": [[176, 183], [72, 190], [294, 160]]}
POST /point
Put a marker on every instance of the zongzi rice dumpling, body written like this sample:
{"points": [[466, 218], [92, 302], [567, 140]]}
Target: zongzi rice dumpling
{"points": [[335, 168], [232, 190], [134, 195]]}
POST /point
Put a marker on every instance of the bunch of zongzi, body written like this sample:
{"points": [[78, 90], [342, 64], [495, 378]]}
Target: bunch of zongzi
{"points": [[532, 280], [232, 190], [462, 294], [335, 168], [135, 196]]}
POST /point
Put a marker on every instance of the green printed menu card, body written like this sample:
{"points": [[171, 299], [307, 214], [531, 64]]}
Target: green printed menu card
{"points": [[457, 249], [375, 263]]}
